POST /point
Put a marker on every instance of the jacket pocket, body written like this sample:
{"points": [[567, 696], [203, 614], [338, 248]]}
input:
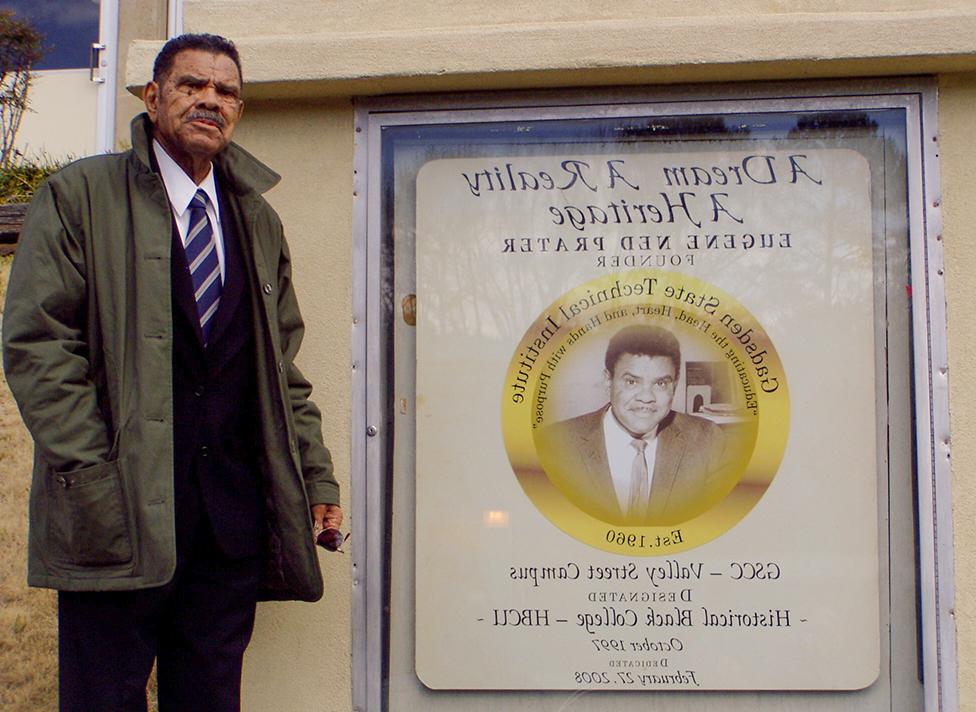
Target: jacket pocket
{"points": [[87, 517]]}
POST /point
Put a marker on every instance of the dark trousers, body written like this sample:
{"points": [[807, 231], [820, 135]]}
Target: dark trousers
{"points": [[196, 627]]}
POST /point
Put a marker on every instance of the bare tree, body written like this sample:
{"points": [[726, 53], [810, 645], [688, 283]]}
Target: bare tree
{"points": [[20, 47]]}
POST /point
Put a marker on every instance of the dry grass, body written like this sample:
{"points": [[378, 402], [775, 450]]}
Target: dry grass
{"points": [[28, 617]]}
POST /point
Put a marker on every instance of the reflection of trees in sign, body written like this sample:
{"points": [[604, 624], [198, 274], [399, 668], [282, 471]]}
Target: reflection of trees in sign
{"points": [[821, 271], [460, 262], [804, 221]]}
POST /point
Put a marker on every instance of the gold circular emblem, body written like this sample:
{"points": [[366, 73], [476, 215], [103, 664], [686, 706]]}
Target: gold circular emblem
{"points": [[645, 412]]}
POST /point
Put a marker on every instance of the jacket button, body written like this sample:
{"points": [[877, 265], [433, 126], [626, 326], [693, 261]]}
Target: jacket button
{"points": [[267, 288], [62, 481], [281, 367], [198, 392], [204, 452]]}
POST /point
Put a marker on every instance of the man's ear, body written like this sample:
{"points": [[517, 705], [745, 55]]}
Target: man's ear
{"points": [[607, 379], [150, 97]]}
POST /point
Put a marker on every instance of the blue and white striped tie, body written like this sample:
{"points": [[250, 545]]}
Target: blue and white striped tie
{"points": [[201, 257]]}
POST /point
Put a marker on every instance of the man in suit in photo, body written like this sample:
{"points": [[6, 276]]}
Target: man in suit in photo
{"points": [[636, 460]]}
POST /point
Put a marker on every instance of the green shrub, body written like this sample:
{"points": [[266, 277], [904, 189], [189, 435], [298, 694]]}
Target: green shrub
{"points": [[20, 180]]}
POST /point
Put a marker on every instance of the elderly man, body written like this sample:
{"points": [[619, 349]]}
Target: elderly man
{"points": [[635, 460], [149, 336]]}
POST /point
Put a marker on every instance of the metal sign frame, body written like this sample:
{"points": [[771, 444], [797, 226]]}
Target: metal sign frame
{"points": [[371, 432]]}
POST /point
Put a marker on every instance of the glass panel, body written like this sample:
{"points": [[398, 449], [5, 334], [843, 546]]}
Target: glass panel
{"points": [[653, 419], [68, 27]]}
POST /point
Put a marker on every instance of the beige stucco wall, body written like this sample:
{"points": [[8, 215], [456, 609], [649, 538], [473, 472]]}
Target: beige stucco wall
{"points": [[300, 657], [138, 19], [294, 49], [240, 18], [957, 123], [305, 60]]}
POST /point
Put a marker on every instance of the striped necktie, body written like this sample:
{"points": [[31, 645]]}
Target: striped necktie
{"points": [[201, 258]]}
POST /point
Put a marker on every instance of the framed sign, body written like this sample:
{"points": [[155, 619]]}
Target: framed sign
{"points": [[643, 431]]}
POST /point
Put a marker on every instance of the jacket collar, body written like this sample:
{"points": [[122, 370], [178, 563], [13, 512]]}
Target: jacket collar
{"points": [[240, 172]]}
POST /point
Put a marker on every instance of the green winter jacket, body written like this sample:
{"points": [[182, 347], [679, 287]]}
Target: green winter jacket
{"points": [[87, 351]]}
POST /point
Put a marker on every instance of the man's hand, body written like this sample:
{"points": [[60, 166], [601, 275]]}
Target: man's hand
{"points": [[326, 516], [326, 520]]}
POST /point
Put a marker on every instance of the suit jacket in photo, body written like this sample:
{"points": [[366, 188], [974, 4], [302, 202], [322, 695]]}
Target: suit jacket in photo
{"points": [[691, 459]]}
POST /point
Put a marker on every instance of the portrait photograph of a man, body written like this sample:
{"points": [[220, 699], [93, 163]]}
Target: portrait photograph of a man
{"points": [[637, 460]]}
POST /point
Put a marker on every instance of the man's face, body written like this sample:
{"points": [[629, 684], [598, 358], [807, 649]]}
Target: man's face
{"points": [[196, 105], [641, 391]]}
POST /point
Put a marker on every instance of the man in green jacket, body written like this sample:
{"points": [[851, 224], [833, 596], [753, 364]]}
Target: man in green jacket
{"points": [[149, 338]]}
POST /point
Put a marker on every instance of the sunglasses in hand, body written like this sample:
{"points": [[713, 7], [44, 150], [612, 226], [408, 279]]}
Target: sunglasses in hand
{"points": [[331, 539]]}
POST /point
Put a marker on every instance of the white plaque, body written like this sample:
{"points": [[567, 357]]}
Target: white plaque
{"points": [[743, 554]]}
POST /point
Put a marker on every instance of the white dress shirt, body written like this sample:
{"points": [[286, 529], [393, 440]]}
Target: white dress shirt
{"points": [[180, 190], [620, 456]]}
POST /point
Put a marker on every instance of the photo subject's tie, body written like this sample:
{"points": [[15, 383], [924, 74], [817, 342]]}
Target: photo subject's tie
{"points": [[201, 257], [639, 486]]}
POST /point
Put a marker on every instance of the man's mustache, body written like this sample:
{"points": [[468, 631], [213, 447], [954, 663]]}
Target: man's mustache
{"points": [[213, 116]]}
